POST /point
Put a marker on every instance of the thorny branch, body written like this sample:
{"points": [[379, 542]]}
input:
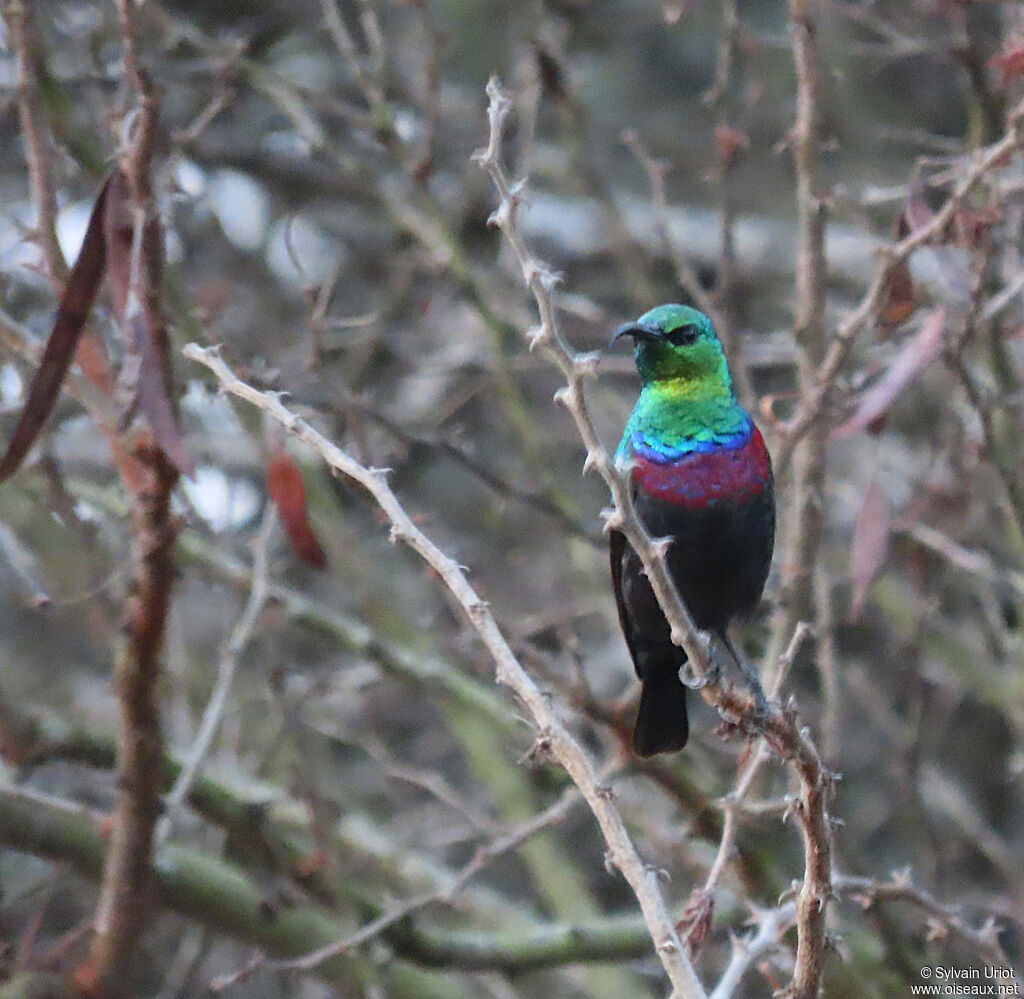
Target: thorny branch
{"points": [[804, 514], [945, 920], [127, 874], [552, 736]]}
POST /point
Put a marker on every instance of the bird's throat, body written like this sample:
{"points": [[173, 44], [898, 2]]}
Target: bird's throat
{"points": [[677, 418]]}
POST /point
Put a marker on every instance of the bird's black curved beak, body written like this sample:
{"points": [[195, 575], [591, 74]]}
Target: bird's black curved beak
{"points": [[637, 332]]}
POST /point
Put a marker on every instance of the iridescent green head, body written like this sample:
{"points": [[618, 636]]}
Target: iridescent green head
{"points": [[677, 344]]}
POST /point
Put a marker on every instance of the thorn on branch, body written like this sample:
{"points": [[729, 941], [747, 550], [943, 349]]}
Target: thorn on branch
{"points": [[539, 752], [501, 216], [792, 806], [564, 397], [478, 610], [585, 365], [611, 516], [538, 336], [594, 459], [790, 893]]}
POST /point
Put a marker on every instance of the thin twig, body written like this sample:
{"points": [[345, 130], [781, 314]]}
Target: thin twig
{"points": [[804, 520], [771, 925], [900, 888], [503, 487], [686, 276], [38, 141], [729, 142], [217, 704], [346, 46], [23, 562]]}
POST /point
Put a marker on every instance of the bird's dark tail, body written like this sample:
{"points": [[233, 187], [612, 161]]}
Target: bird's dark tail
{"points": [[661, 722]]}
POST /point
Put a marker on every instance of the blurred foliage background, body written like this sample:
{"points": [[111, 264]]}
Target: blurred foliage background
{"points": [[326, 225]]}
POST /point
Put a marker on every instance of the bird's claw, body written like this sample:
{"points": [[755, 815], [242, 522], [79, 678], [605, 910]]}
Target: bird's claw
{"points": [[688, 677]]}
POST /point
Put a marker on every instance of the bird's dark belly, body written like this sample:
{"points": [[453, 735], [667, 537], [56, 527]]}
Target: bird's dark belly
{"points": [[719, 559]]}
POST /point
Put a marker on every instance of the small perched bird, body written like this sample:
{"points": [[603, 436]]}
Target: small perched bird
{"points": [[700, 475]]}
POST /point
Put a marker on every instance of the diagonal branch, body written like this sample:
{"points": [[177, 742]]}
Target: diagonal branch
{"points": [[552, 736]]}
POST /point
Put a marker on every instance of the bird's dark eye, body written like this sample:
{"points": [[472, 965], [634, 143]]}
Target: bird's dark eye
{"points": [[683, 336]]}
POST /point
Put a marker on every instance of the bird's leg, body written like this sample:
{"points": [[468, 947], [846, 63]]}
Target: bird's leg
{"points": [[746, 669]]}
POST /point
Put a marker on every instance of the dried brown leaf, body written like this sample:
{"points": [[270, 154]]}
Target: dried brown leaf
{"points": [[870, 545], [694, 924], [135, 270], [900, 296], [79, 294]]}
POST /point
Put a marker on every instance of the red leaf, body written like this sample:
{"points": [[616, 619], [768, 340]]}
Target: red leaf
{"points": [[86, 979], [1009, 63], [730, 143], [79, 294], [284, 483], [311, 863], [919, 351], [899, 296], [870, 546]]}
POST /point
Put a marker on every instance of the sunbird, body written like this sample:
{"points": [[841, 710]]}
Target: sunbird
{"points": [[700, 474]]}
